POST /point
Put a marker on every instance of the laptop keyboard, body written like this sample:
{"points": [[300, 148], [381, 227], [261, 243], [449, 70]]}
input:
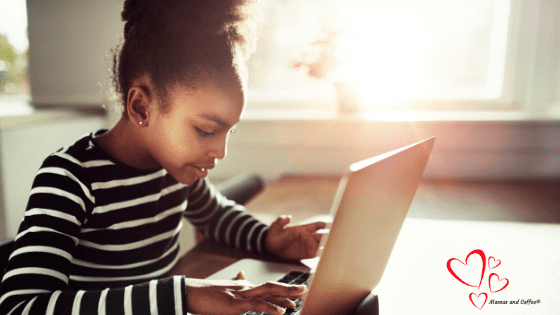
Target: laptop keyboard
{"points": [[295, 278]]}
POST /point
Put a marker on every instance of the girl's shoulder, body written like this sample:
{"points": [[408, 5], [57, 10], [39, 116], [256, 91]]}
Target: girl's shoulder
{"points": [[81, 153], [84, 158]]}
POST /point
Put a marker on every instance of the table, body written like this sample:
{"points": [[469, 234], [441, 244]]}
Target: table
{"points": [[416, 279]]}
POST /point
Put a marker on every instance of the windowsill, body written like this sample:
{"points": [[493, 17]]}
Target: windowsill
{"points": [[400, 116], [17, 112], [15, 105], [469, 145]]}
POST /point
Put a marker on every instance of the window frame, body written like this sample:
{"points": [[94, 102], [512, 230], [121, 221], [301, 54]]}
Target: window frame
{"points": [[521, 73]]}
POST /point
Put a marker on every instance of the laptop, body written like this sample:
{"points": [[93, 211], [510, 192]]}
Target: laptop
{"points": [[369, 208]]}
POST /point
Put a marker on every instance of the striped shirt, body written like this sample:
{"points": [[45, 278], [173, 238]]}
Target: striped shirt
{"points": [[98, 236]]}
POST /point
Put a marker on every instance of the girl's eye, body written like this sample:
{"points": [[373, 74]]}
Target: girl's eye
{"points": [[205, 133]]}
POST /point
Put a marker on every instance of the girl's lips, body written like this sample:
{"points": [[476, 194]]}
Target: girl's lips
{"points": [[201, 171]]}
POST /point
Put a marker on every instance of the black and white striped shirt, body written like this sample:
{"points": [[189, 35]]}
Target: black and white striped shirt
{"points": [[98, 236]]}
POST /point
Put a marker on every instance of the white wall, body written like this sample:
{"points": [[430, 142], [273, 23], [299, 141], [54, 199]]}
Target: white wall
{"points": [[516, 148], [537, 55], [69, 49], [22, 151]]}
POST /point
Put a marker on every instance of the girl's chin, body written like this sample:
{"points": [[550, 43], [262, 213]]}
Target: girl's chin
{"points": [[188, 181]]}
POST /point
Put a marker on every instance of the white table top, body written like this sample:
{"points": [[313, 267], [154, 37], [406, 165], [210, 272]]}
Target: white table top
{"points": [[417, 280]]}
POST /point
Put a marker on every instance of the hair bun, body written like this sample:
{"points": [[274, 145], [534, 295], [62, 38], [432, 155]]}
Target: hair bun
{"points": [[174, 41], [180, 16], [135, 11]]}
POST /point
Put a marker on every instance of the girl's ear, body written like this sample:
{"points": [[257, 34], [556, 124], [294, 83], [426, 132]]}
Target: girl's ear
{"points": [[139, 104]]}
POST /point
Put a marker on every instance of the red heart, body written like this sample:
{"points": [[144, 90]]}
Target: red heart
{"points": [[482, 257], [492, 260], [478, 299], [497, 283]]}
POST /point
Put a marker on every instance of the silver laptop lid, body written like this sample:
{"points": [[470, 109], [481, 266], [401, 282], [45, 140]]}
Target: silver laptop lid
{"points": [[371, 204]]}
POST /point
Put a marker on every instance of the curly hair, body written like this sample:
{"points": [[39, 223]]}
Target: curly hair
{"points": [[182, 41]]}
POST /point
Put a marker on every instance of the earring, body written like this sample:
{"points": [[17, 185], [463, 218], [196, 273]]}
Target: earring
{"points": [[140, 122]]}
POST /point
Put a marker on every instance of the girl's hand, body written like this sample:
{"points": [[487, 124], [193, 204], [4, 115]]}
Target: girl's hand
{"points": [[236, 296], [293, 242]]}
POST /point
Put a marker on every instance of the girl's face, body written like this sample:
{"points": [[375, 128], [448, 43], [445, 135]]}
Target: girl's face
{"points": [[191, 136]]}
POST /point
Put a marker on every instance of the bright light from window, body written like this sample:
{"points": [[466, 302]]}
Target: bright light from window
{"points": [[394, 51], [14, 44], [13, 23], [428, 49]]}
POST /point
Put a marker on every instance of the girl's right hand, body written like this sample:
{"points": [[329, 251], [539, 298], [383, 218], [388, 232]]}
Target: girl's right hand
{"points": [[236, 296]]}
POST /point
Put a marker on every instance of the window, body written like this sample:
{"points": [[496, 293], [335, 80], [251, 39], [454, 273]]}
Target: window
{"points": [[394, 54], [13, 48]]}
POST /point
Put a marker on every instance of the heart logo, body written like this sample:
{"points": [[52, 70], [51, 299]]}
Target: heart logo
{"points": [[470, 275], [493, 262], [498, 284], [479, 299]]}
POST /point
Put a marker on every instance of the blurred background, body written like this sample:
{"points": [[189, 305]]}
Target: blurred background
{"points": [[331, 82]]}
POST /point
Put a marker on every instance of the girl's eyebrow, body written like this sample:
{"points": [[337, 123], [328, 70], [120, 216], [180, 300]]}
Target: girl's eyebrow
{"points": [[216, 119]]}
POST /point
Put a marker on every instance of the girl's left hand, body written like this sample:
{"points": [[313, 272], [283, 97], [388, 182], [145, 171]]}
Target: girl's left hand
{"points": [[293, 242]]}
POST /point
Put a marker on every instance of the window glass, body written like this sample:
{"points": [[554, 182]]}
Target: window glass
{"points": [[13, 48], [388, 51]]}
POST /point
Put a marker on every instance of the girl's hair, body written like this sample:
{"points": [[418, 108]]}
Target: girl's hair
{"points": [[182, 42]]}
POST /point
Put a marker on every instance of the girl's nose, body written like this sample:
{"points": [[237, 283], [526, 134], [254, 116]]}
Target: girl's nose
{"points": [[220, 151]]}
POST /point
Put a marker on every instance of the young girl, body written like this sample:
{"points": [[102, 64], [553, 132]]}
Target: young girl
{"points": [[100, 229]]}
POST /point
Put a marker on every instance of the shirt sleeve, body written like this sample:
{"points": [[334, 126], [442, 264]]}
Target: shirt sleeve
{"points": [[37, 275], [224, 220]]}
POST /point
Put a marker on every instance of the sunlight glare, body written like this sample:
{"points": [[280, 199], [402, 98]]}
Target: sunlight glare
{"points": [[405, 50], [13, 23]]}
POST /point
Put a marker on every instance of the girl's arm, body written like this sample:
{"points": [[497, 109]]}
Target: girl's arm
{"points": [[228, 222], [37, 277], [224, 220]]}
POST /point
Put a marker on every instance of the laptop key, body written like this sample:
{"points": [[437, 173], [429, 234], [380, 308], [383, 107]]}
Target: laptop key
{"points": [[302, 279], [290, 277]]}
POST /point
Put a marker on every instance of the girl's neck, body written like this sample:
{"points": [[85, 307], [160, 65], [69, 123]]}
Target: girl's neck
{"points": [[122, 143]]}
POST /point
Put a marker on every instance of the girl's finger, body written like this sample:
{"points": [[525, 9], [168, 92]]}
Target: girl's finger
{"points": [[283, 220], [274, 289], [285, 303], [279, 225], [240, 276], [312, 246], [315, 226], [318, 237]]}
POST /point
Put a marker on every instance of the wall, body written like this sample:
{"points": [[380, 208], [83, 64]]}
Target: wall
{"points": [[69, 49], [516, 146], [23, 147]]}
